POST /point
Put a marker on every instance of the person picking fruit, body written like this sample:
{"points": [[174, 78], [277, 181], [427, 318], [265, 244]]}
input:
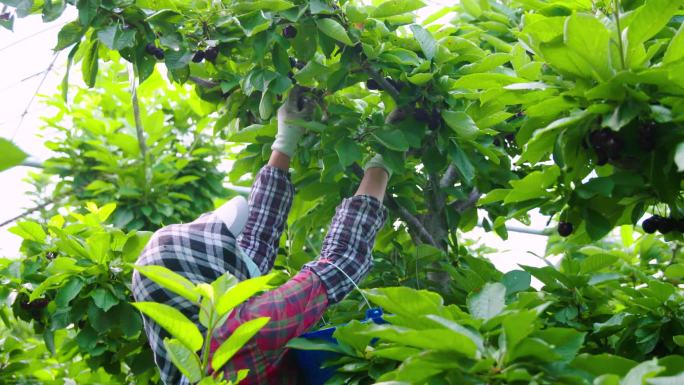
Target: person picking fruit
{"points": [[241, 238]]}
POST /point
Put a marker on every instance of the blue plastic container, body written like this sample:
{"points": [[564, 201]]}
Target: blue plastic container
{"points": [[310, 361]]}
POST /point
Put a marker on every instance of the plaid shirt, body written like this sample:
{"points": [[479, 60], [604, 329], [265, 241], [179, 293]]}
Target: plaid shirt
{"points": [[293, 307]]}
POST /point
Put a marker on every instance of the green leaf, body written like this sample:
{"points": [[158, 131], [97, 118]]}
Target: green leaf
{"points": [[420, 79], [565, 342], [23, 7], [671, 380], [309, 344], [264, 5], [542, 140], [65, 80], [675, 51], [472, 7], [463, 164], [597, 262], [518, 326], [489, 302], [176, 60], [170, 280], [516, 280], [588, 40], [241, 292], [679, 340], [90, 63], [675, 271], [51, 11], [320, 7], [305, 43], [645, 370], [679, 157], [405, 301], [236, 341], [427, 43], [254, 22], [647, 21], [87, 10], [68, 292], [449, 324], [185, 360], [600, 364], [29, 230], [486, 81], [98, 246], [597, 225], [281, 60], [435, 339], [178, 325], [103, 298], [462, 124], [7, 23], [116, 38], [622, 115], [70, 34], [396, 7], [348, 151], [11, 155], [392, 139], [266, 105], [333, 29], [533, 185]]}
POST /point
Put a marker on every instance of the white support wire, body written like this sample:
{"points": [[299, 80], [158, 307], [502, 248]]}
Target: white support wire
{"points": [[33, 97], [12, 44], [25, 79]]}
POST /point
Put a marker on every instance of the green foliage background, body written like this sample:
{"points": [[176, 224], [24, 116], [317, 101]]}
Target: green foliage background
{"points": [[494, 107]]}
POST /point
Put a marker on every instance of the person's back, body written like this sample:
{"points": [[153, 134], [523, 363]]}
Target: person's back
{"points": [[221, 242]]}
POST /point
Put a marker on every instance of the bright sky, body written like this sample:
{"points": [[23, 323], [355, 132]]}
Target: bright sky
{"points": [[27, 53]]}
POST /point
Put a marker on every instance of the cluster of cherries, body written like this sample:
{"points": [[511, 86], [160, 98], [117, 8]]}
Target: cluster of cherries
{"points": [[606, 144], [609, 146], [209, 54], [155, 51], [650, 225], [662, 224]]}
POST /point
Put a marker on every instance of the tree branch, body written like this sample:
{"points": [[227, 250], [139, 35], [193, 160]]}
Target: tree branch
{"points": [[449, 177], [387, 86], [205, 83], [463, 205], [138, 124], [34, 209], [412, 221]]}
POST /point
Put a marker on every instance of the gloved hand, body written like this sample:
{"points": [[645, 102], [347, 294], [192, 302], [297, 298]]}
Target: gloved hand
{"points": [[378, 161], [296, 107]]}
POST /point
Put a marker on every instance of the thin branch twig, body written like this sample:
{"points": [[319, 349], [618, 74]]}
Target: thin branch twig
{"points": [[205, 83], [32, 210], [449, 177], [384, 84], [138, 125], [33, 97], [463, 205]]}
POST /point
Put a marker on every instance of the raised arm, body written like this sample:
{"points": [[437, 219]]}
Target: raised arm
{"points": [[271, 197]]}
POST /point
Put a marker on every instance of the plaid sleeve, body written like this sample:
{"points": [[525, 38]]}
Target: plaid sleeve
{"points": [[346, 252], [269, 204], [293, 308]]}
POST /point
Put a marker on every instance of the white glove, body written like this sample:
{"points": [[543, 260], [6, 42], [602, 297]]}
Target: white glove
{"points": [[378, 161], [289, 134]]}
